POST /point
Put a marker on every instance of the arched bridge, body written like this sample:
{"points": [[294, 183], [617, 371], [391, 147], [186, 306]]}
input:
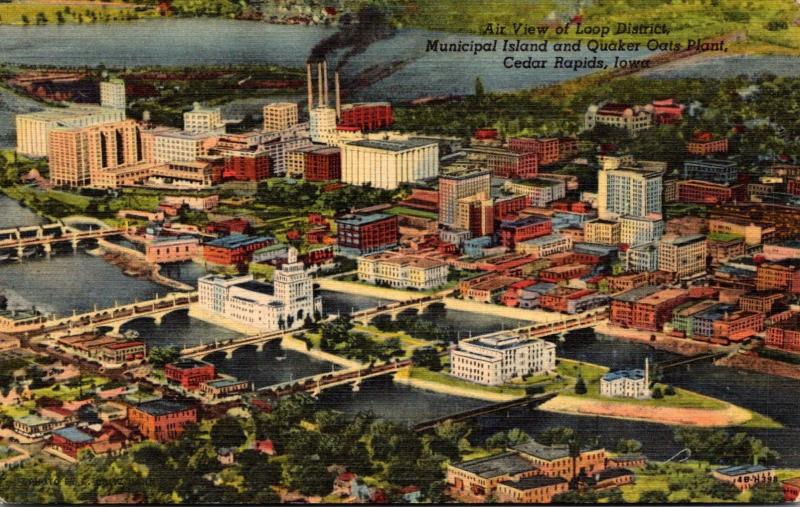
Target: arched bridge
{"points": [[20, 238], [230, 346], [315, 384], [568, 323], [394, 309], [112, 318]]}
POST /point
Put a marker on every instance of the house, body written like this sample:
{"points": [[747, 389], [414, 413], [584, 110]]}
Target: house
{"points": [[264, 447], [225, 456], [344, 482], [411, 494]]}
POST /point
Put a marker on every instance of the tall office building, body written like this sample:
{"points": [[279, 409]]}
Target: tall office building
{"points": [[457, 185], [640, 230], [201, 120], [33, 129], [629, 191], [684, 255], [280, 116], [112, 94], [79, 154]]}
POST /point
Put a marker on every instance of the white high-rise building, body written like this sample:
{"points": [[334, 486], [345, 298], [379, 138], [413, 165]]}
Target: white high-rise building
{"points": [[284, 304], [629, 191], [201, 120], [496, 358], [683, 255], [34, 128], [112, 94], [639, 230], [322, 125], [387, 164]]}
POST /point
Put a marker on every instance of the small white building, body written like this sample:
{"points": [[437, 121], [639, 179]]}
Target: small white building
{"points": [[496, 358], [640, 230], [112, 94], [633, 383]]}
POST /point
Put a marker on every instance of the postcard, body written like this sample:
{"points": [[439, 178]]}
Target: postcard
{"points": [[399, 251]]}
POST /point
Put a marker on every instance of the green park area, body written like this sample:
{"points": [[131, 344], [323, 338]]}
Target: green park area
{"points": [[41, 13], [692, 482], [411, 212]]}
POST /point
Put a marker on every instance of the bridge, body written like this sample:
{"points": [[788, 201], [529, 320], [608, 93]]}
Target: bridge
{"points": [[486, 409], [680, 361], [315, 384], [230, 346], [394, 309], [568, 323], [20, 238], [112, 318]]}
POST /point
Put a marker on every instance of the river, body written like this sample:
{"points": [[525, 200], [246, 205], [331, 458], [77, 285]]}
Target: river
{"points": [[14, 215]]}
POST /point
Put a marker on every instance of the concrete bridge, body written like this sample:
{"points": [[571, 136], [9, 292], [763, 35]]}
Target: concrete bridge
{"points": [[20, 238], [112, 318], [232, 345], [394, 309], [566, 324], [315, 384]]}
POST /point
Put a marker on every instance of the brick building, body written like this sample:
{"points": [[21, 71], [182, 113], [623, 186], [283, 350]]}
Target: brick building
{"points": [[505, 163], [189, 373], [171, 249], [366, 116], [706, 192], [246, 165], [785, 333], [365, 234], [322, 163], [546, 148], [515, 231], [162, 420], [234, 249], [706, 143]]}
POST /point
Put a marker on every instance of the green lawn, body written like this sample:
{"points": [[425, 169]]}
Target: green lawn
{"points": [[442, 377], [411, 212], [65, 393]]}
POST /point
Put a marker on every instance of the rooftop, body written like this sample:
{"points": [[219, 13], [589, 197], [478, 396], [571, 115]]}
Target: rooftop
{"points": [[742, 470], [638, 293], [545, 452], [162, 407], [238, 241], [634, 374], [537, 481], [73, 435], [362, 219], [260, 287], [393, 145], [507, 463]]}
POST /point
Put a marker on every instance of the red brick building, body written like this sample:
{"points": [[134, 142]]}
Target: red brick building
{"points": [[647, 307], [162, 420], [247, 166], [234, 249], [232, 226], [505, 163], [505, 206], [705, 192], [760, 302], [365, 234], [366, 116], [545, 148], [705, 143], [323, 164], [70, 441], [738, 326], [189, 373], [782, 275], [514, 231], [557, 274], [785, 334]]}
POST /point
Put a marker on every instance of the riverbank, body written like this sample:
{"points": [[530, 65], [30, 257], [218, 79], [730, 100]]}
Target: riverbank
{"points": [[291, 343], [730, 416], [662, 341], [761, 365], [475, 391], [133, 263]]}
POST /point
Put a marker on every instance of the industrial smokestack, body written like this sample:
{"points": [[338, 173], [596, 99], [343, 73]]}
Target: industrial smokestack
{"points": [[338, 97], [310, 88], [325, 80], [319, 85]]}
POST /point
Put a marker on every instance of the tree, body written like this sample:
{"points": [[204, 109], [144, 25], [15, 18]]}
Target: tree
{"points": [[628, 446], [767, 493], [160, 356], [669, 391], [25, 20], [580, 386], [574, 497], [227, 432], [479, 90], [653, 496], [510, 438], [657, 394], [554, 435], [428, 358]]}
